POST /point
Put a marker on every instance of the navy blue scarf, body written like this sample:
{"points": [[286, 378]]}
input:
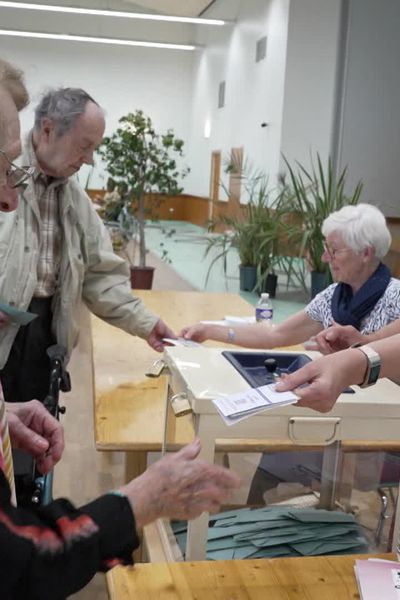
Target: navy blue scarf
{"points": [[350, 310]]}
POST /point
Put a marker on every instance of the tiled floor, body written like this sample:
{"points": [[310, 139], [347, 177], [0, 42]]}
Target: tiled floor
{"points": [[186, 245]]}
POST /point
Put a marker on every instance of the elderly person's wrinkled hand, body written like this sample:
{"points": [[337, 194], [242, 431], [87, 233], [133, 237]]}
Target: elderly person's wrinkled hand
{"points": [[34, 429], [197, 332], [180, 486], [337, 337], [323, 379], [159, 331]]}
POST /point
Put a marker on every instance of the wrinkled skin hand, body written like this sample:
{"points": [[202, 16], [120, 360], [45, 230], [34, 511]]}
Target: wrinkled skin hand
{"points": [[197, 332], [180, 486], [159, 331], [337, 337], [34, 429], [326, 377]]}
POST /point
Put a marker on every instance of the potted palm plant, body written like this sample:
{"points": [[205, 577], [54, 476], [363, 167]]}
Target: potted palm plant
{"points": [[146, 162], [311, 196], [251, 229]]}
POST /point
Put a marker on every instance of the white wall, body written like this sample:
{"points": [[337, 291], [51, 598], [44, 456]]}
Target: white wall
{"points": [[121, 79], [254, 91], [310, 78], [371, 124]]}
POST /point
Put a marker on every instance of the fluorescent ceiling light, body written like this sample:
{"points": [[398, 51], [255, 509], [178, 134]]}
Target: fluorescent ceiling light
{"points": [[94, 40], [110, 13]]}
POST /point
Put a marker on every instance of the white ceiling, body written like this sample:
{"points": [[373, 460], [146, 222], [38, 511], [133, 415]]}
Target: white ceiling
{"points": [[186, 8]]}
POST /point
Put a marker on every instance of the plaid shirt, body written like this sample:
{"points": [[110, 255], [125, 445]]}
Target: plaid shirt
{"points": [[46, 194]]}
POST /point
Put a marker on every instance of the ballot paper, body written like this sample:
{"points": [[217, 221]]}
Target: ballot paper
{"points": [[378, 579], [180, 341], [236, 407], [21, 317]]}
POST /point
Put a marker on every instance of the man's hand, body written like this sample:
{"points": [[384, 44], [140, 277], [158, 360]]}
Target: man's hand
{"points": [[326, 377], [34, 429], [179, 486], [159, 331], [337, 337]]}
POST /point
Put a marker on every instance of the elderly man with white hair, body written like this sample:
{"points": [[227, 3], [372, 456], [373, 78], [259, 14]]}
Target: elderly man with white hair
{"points": [[363, 300]]}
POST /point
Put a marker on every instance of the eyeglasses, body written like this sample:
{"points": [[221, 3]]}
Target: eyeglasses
{"points": [[332, 252], [17, 176]]}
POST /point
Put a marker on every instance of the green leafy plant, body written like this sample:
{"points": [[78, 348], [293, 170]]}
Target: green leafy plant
{"points": [[146, 162], [253, 227], [311, 196]]}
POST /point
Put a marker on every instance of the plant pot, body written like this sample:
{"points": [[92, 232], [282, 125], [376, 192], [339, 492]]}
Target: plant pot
{"points": [[141, 278], [269, 285], [319, 281], [248, 278]]}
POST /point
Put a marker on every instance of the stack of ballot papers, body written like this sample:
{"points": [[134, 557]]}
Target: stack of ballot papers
{"points": [[278, 531], [378, 579], [236, 407]]}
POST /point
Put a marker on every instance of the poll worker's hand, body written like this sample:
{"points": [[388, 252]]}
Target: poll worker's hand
{"points": [[326, 377], [34, 429], [197, 332], [179, 486], [337, 337], [4, 319], [159, 331]]}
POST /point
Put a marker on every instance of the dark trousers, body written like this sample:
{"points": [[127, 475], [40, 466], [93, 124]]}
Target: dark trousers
{"points": [[26, 373], [26, 376]]}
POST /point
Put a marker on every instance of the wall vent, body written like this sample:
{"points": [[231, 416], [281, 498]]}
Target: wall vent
{"points": [[261, 48]]}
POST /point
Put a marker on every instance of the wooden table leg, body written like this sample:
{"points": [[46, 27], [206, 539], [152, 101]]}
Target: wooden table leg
{"points": [[135, 464]]}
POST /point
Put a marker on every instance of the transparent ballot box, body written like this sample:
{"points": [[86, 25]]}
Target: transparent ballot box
{"points": [[341, 459]]}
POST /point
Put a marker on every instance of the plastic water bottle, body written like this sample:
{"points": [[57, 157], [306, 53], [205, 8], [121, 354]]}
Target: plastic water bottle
{"points": [[264, 310]]}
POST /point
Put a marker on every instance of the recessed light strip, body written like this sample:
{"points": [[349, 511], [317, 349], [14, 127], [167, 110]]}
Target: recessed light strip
{"points": [[94, 40], [110, 13]]}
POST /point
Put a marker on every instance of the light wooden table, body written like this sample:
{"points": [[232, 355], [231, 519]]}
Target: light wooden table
{"points": [[128, 407], [308, 578]]}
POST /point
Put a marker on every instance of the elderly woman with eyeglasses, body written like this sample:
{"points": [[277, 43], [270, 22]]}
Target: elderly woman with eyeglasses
{"points": [[364, 294], [363, 299]]}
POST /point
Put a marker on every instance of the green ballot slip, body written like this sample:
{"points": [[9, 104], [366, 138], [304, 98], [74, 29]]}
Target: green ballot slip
{"points": [[21, 317]]}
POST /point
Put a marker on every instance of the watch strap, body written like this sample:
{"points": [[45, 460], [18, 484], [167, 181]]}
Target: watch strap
{"points": [[373, 365]]}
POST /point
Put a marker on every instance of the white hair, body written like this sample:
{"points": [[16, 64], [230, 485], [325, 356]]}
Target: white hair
{"points": [[361, 226]]}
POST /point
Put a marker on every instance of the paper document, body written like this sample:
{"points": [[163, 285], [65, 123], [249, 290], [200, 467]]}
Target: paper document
{"points": [[180, 341], [22, 317], [378, 580], [236, 407]]}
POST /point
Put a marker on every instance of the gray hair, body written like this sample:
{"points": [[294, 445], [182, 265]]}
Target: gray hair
{"points": [[360, 226], [63, 106]]}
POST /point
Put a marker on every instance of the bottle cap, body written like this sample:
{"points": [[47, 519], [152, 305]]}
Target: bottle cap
{"points": [[265, 296]]}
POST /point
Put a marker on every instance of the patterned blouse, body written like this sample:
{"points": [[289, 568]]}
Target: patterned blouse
{"points": [[386, 310]]}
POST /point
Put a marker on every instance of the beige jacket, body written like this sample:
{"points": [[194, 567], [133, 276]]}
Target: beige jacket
{"points": [[89, 271]]}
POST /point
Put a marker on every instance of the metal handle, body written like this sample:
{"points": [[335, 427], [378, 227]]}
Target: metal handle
{"points": [[314, 422], [180, 404]]}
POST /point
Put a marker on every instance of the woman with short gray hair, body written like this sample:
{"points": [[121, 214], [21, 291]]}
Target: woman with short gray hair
{"points": [[364, 296]]}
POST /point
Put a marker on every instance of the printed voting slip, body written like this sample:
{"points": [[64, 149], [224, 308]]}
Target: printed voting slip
{"points": [[378, 579], [180, 341], [236, 407], [21, 317]]}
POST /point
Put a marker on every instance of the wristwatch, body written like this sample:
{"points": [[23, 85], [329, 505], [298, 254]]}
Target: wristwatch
{"points": [[373, 365]]}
